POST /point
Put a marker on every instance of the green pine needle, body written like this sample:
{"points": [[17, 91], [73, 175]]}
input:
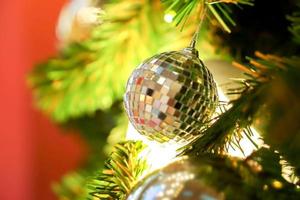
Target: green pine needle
{"points": [[219, 9], [227, 129], [295, 25], [264, 73], [91, 75], [72, 186], [121, 172]]}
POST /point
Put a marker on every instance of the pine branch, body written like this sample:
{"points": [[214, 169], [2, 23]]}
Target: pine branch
{"points": [[72, 186], [256, 177], [279, 118], [266, 171], [91, 75], [219, 9], [295, 25], [230, 124], [256, 97], [121, 172]]}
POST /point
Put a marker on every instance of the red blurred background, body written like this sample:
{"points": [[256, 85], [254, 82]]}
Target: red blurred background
{"points": [[34, 152]]}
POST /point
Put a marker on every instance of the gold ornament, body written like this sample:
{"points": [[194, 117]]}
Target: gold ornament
{"points": [[177, 181]]}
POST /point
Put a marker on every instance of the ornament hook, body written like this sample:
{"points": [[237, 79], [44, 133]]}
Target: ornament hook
{"points": [[196, 34]]}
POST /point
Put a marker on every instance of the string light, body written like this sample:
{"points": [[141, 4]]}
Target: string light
{"points": [[169, 16]]}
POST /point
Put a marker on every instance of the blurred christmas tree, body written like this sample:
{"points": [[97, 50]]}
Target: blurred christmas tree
{"points": [[83, 86]]}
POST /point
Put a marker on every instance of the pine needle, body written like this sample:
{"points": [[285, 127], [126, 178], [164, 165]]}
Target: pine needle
{"points": [[219, 9], [121, 172]]}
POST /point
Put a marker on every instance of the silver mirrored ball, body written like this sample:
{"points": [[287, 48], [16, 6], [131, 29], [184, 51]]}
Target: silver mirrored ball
{"points": [[170, 96]]}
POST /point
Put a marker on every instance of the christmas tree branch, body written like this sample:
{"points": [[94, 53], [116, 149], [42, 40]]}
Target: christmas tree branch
{"points": [[295, 25], [256, 177], [230, 124], [219, 9], [82, 78], [265, 98], [73, 186], [121, 172]]}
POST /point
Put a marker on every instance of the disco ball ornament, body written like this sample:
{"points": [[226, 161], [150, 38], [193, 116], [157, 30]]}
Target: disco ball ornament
{"points": [[178, 181], [170, 96]]}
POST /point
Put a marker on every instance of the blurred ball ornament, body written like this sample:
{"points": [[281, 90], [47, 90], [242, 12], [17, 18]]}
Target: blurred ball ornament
{"points": [[177, 181], [85, 20], [76, 21], [170, 96]]}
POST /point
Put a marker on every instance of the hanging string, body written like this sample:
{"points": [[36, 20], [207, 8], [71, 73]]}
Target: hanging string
{"points": [[196, 34]]}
